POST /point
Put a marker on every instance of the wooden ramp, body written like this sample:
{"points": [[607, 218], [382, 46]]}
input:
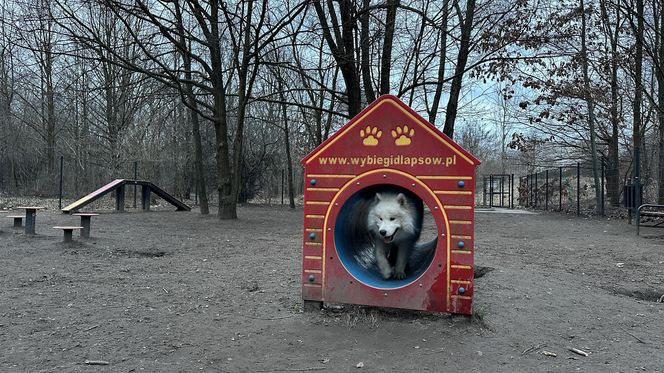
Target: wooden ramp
{"points": [[118, 186]]}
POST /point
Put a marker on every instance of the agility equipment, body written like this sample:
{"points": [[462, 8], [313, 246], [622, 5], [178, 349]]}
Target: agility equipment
{"points": [[118, 186], [86, 223], [68, 232], [389, 144], [30, 217]]}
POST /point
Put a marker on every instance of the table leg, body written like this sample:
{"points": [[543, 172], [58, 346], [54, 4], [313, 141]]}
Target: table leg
{"points": [[30, 217], [68, 235], [85, 223]]}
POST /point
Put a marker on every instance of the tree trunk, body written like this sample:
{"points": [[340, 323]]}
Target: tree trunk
{"points": [[386, 58], [343, 50], [289, 160], [365, 45], [50, 111], [201, 180], [462, 59], [247, 71], [638, 92], [613, 171], [660, 106], [591, 111], [441, 64], [227, 200]]}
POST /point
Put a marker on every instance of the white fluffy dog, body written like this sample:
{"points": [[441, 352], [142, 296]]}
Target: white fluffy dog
{"points": [[381, 225]]}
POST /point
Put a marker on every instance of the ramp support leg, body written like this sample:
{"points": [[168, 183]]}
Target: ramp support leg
{"points": [[145, 197], [120, 198]]}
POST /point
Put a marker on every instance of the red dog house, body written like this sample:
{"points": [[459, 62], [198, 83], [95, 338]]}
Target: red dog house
{"points": [[389, 144]]}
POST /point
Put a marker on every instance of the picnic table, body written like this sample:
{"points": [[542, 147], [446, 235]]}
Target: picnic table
{"points": [[30, 217]]}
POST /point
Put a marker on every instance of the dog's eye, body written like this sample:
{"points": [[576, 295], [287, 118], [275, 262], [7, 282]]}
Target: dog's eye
{"points": [[381, 219], [391, 219]]}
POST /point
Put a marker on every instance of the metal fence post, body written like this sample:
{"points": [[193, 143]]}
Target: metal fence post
{"points": [[512, 191], [60, 193], [528, 190], [560, 189], [536, 194], [546, 192], [500, 192], [484, 191], [601, 211], [490, 190], [135, 179], [578, 188]]}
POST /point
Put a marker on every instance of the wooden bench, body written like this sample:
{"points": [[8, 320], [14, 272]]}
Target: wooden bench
{"points": [[68, 232], [650, 210], [18, 220], [86, 222]]}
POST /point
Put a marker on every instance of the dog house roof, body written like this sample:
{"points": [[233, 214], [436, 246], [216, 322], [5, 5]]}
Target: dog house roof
{"points": [[386, 126]]}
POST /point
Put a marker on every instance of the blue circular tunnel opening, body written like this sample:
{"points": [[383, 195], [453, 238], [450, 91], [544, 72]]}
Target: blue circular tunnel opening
{"points": [[354, 245]]}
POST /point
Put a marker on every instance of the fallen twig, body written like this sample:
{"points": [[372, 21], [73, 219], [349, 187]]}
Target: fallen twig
{"points": [[265, 318], [633, 336], [577, 351], [97, 362], [92, 327], [532, 348], [291, 369], [547, 353], [661, 299]]}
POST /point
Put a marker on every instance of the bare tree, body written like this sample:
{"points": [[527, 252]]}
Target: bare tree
{"points": [[339, 34], [590, 103], [192, 105], [226, 41], [462, 58], [612, 28], [37, 35]]}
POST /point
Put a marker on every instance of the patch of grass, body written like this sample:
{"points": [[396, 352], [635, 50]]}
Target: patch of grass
{"points": [[479, 317], [364, 317]]}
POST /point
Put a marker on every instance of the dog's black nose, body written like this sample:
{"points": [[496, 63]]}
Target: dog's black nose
{"points": [[382, 232]]}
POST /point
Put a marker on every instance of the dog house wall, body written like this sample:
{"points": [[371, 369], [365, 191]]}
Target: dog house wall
{"points": [[389, 143]]}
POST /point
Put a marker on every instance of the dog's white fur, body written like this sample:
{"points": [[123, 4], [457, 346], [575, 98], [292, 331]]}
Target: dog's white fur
{"points": [[395, 252], [392, 222]]}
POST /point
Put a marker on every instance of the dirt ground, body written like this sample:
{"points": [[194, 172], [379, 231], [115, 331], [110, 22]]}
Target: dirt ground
{"points": [[169, 291]]}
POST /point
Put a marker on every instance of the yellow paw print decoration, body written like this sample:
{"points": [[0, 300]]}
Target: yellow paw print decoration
{"points": [[402, 135], [370, 135]]}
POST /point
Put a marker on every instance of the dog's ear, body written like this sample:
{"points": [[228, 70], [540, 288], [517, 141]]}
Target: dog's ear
{"points": [[401, 199], [378, 197]]}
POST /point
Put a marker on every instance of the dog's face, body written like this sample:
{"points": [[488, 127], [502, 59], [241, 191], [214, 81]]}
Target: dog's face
{"points": [[388, 215]]}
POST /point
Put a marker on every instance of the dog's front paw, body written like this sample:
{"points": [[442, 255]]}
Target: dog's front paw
{"points": [[399, 275], [386, 273]]}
